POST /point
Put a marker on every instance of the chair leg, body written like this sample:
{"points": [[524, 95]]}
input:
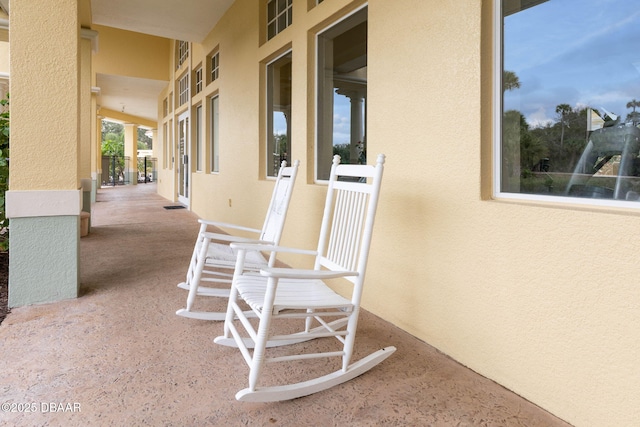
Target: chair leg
{"points": [[262, 336], [194, 258], [197, 273], [349, 340]]}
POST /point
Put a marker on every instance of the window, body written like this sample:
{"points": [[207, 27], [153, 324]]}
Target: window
{"points": [[198, 79], [214, 62], [183, 86], [165, 146], [279, 16], [342, 93], [182, 53], [278, 113], [165, 107], [199, 138], [215, 132], [567, 109]]}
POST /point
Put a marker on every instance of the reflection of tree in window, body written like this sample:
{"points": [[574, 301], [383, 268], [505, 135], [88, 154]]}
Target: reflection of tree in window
{"points": [[569, 118]]}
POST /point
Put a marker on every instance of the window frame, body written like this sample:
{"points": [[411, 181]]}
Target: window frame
{"points": [[197, 77], [316, 108], [184, 96], [182, 53], [496, 143], [213, 64], [269, 110], [287, 13]]}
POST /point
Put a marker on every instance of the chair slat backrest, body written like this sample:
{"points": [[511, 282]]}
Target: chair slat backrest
{"points": [[349, 214], [279, 205]]}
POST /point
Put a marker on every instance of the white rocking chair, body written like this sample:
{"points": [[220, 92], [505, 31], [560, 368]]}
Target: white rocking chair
{"points": [[277, 295], [212, 250]]}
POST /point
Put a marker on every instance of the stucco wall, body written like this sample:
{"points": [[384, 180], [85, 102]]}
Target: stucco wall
{"points": [[542, 299]]}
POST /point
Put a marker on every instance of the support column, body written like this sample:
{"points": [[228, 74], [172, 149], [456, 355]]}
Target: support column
{"points": [[356, 97], [86, 119], [44, 200], [131, 151]]}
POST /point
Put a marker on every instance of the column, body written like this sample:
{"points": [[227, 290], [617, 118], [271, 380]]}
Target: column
{"points": [[44, 199], [131, 151]]}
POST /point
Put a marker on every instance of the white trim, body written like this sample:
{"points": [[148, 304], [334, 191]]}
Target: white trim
{"points": [[91, 35], [497, 98], [23, 204]]}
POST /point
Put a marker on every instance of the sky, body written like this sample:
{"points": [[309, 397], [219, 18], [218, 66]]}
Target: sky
{"points": [[576, 52], [341, 121]]}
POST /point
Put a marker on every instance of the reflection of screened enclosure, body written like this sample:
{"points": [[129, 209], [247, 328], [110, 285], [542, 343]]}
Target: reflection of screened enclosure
{"points": [[114, 170], [147, 171]]}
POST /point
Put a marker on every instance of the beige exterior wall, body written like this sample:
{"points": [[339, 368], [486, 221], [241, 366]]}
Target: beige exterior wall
{"points": [[59, 80], [541, 298], [126, 53]]}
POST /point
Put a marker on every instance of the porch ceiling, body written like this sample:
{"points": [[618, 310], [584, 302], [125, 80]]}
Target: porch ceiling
{"points": [[188, 20]]}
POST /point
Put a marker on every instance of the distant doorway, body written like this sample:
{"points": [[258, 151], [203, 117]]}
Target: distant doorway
{"points": [[183, 168]]}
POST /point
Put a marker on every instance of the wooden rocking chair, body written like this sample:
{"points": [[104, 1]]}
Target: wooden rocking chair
{"points": [[212, 251], [278, 295]]}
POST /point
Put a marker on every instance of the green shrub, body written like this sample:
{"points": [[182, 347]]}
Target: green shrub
{"points": [[4, 172]]}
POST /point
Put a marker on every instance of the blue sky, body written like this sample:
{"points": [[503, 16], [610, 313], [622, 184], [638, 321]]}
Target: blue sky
{"points": [[576, 52], [341, 120]]}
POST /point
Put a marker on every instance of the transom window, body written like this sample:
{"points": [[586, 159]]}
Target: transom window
{"points": [[182, 53], [214, 64], [198, 79], [183, 92], [568, 101], [279, 16]]}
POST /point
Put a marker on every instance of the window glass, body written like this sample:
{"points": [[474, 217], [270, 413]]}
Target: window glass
{"points": [[279, 16], [569, 99], [214, 63], [215, 143], [278, 113], [342, 93], [182, 53], [199, 138], [183, 85], [198, 79]]}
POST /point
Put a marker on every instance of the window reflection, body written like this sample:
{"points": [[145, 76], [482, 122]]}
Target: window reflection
{"points": [[570, 91]]}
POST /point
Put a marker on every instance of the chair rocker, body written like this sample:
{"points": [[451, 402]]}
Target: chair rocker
{"points": [[213, 260], [278, 295]]}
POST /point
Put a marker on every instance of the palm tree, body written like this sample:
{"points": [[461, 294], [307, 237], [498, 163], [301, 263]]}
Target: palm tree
{"points": [[510, 80], [633, 115], [562, 109]]}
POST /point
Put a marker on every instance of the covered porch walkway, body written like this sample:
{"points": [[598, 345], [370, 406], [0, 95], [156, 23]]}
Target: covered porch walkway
{"points": [[118, 355]]}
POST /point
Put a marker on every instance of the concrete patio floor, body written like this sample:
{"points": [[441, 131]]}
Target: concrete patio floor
{"points": [[119, 356]]}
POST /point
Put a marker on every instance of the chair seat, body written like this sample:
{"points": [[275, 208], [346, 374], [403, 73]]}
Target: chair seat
{"points": [[220, 252], [292, 294]]}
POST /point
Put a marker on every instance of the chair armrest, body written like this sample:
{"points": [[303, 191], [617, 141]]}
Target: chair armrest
{"points": [[271, 248], [227, 238], [292, 273], [228, 225]]}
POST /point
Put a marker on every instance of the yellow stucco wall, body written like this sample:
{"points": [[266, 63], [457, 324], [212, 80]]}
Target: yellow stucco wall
{"points": [[126, 53], [40, 143], [541, 298]]}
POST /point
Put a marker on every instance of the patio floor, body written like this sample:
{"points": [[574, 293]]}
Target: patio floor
{"points": [[118, 355]]}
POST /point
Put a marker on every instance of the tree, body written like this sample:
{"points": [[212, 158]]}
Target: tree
{"points": [[510, 80], [562, 109], [4, 171], [634, 117]]}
